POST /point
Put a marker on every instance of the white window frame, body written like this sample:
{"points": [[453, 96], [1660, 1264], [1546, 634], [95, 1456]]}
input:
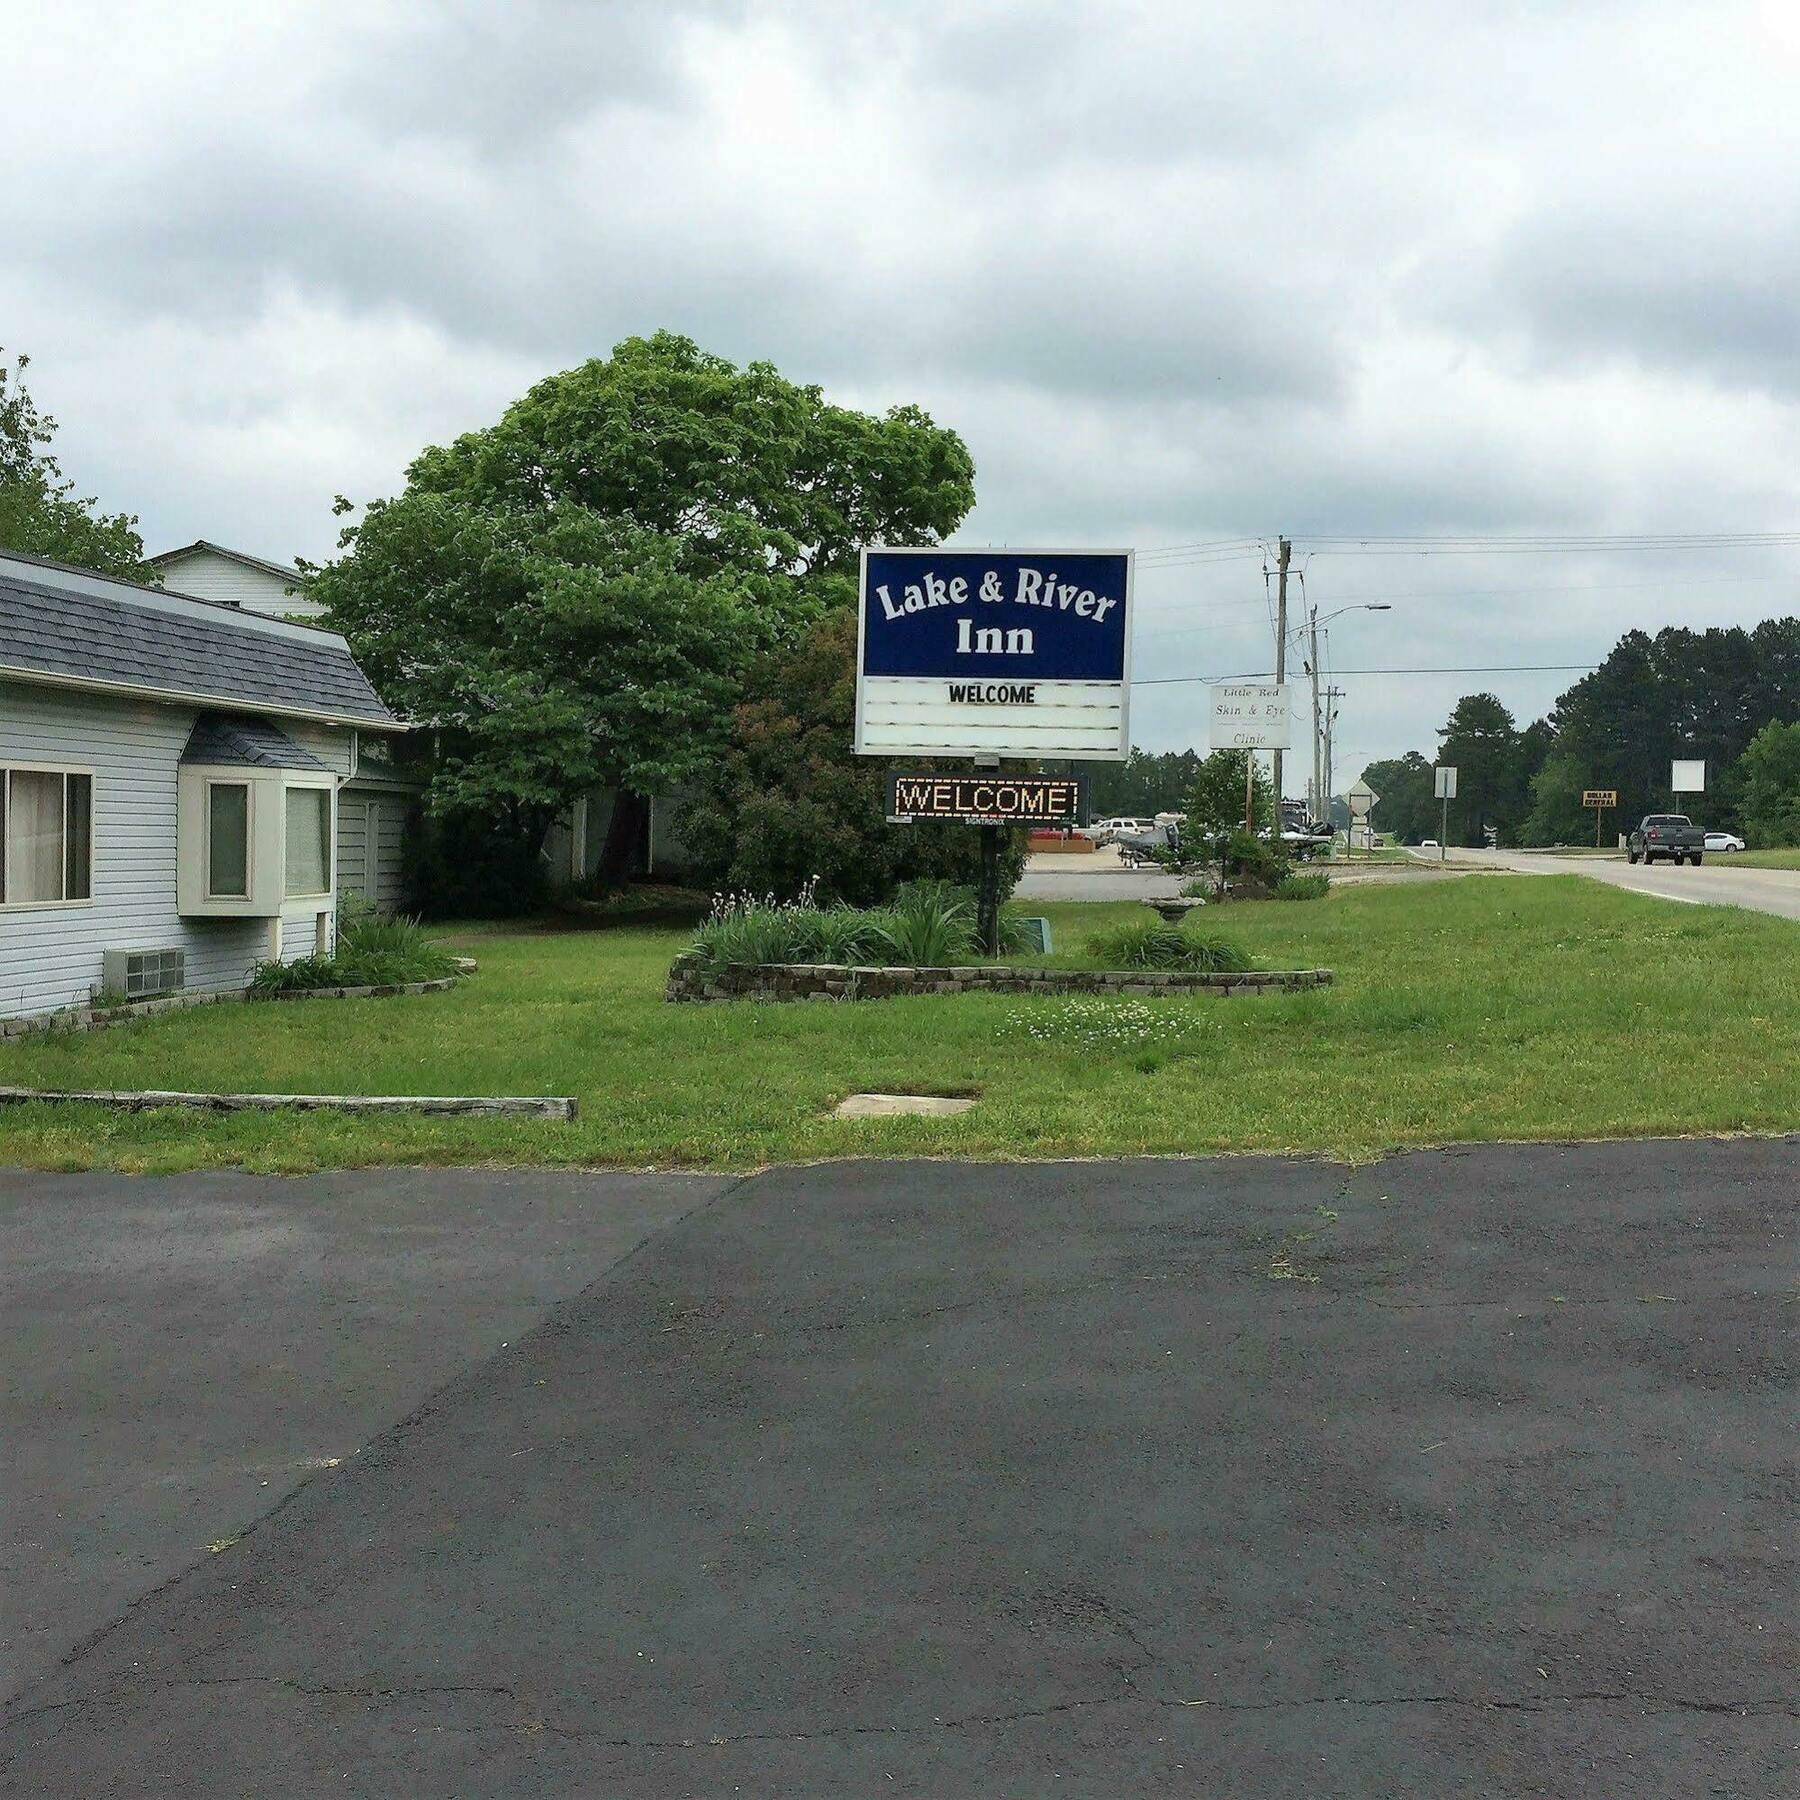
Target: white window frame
{"points": [[206, 789], [44, 768]]}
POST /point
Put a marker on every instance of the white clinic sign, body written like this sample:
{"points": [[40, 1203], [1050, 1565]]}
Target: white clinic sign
{"points": [[1251, 715]]}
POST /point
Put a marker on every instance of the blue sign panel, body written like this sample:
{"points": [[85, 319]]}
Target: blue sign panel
{"points": [[1022, 615]]}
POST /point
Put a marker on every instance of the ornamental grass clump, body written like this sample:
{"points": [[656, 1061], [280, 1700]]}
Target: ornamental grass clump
{"points": [[758, 928], [928, 929], [1303, 887], [373, 950], [840, 934], [1151, 944]]}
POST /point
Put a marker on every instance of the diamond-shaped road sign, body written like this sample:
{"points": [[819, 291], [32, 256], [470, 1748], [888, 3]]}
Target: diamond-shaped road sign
{"points": [[1362, 800]]}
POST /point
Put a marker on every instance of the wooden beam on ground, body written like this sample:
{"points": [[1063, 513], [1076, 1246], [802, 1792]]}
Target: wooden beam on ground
{"points": [[528, 1106]]}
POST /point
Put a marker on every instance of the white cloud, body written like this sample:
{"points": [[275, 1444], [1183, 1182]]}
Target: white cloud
{"points": [[1512, 268]]}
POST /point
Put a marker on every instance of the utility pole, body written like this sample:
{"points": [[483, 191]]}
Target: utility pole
{"points": [[1320, 808], [1281, 637], [1332, 696]]}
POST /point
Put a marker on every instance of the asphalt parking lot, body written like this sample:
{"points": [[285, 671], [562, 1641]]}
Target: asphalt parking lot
{"points": [[1470, 1472]]}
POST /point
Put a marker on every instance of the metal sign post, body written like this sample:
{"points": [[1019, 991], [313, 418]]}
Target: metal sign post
{"points": [[1361, 800], [1444, 780]]}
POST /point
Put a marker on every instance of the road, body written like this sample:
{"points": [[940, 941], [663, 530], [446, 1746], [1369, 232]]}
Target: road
{"points": [[179, 1355], [1717, 882], [1470, 1472]]}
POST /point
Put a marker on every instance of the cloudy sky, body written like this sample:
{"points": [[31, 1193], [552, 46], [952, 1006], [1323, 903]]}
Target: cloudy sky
{"points": [[1179, 274]]}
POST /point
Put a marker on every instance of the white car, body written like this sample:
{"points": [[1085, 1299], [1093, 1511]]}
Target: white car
{"points": [[1428, 843], [1723, 840]]}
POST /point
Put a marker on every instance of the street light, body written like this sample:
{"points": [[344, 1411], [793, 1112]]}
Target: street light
{"points": [[1320, 798]]}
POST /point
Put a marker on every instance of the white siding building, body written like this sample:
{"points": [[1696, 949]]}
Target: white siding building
{"points": [[169, 778], [234, 578]]}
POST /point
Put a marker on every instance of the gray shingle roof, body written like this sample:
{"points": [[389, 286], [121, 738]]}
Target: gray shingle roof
{"points": [[245, 744], [185, 648]]}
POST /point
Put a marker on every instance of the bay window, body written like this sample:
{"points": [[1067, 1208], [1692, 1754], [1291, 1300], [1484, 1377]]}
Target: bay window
{"points": [[46, 836], [249, 840]]}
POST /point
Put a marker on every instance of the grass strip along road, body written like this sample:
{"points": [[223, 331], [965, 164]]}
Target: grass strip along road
{"points": [[1508, 1007]]}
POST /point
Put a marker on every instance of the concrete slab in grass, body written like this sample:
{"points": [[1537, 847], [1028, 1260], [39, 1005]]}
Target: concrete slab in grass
{"points": [[888, 1106]]}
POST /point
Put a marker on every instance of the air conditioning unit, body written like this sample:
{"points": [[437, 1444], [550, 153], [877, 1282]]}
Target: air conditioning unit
{"points": [[142, 974]]}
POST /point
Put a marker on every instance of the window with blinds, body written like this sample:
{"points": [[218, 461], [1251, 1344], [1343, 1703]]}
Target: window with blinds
{"points": [[46, 836]]}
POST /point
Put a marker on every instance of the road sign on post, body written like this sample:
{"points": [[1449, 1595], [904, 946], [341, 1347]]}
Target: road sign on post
{"points": [[1361, 800], [1687, 778], [1444, 786], [1602, 800]]}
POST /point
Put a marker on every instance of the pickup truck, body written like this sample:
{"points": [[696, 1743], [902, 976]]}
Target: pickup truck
{"points": [[1673, 835]]}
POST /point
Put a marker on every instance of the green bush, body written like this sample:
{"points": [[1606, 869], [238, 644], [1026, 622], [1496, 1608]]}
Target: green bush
{"points": [[1150, 944], [1251, 858], [756, 934], [1303, 887], [372, 951], [840, 934], [928, 929]]}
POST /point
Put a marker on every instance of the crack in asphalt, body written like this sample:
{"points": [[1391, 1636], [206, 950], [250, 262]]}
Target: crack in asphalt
{"points": [[1651, 1704], [1025, 1296]]}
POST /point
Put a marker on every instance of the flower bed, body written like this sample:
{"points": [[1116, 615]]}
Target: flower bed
{"points": [[694, 977]]}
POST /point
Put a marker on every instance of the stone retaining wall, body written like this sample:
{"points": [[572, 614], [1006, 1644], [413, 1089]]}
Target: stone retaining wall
{"points": [[692, 978], [98, 1018], [361, 993]]}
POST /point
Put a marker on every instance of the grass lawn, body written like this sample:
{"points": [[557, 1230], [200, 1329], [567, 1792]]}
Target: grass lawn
{"points": [[1505, 1007], [1758, 859]]}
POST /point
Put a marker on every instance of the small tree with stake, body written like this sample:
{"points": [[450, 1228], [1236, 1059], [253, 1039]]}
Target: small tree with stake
{"points": [[1216, 814]]}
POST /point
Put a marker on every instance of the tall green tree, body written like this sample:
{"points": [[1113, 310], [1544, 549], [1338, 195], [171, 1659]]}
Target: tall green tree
{"points": [[1145, 783], [1699, 694], [1481, 742], [572, 597], [784, 799], [1769, 782], [40, 512], [1405, 808]]}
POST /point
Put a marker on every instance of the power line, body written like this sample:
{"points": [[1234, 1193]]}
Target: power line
{"points": [[1469, 669], [1548, 545]]}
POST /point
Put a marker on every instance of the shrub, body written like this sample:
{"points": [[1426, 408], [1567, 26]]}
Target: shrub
{"points": [[785, 795], [840, 934], [928, 929], [1303, 887], [1150, 944], [372, 951], [1251, 858]]}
